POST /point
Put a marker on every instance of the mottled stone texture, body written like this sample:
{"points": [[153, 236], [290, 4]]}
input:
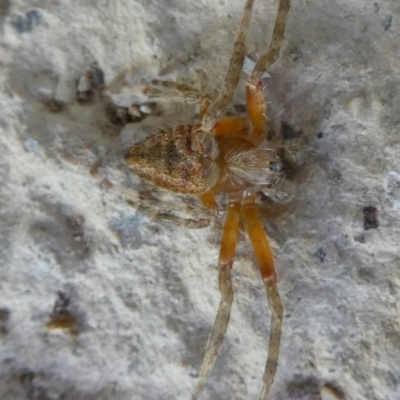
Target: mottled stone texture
{"points": [[138, 298]]}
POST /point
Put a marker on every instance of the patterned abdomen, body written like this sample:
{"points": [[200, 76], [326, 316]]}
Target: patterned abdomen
{"points": [[181, 159]]}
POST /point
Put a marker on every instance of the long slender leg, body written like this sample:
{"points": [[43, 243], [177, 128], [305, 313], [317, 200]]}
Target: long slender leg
{"points": [[265, 259], [189, 223], [269, 57], [197, 217], [256, 110], [255, 97], [225, 263], [178, 92], [257, 236], [275, 304], [178, 87], [219, 105]]}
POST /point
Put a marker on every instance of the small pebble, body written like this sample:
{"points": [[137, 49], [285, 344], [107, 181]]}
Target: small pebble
{"points": [[145, 109], [134, 112], [31, 145]]}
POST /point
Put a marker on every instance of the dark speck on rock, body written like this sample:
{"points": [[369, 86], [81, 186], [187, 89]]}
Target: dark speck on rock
{"points": [[370, 218], [320, 254], [387, 22], [4, 9], [289, 132], [360, 238], [4, 317], [27, 22]]}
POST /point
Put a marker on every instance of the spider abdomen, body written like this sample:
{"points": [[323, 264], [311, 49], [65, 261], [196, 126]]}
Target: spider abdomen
{"points": [[181, 159]]}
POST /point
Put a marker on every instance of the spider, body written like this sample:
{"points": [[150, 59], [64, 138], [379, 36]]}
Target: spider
{"points": [[225, 155]]}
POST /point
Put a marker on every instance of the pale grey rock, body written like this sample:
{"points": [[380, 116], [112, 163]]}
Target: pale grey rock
{"points": [[145, 294]]}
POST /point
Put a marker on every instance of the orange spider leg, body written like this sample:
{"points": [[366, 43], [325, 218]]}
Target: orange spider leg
{"points": [[229, 237], [208, 200], [256, 110], [255, 98], [231, 126], [263, 252], [225, 262], [258, 237], [219, 105]]}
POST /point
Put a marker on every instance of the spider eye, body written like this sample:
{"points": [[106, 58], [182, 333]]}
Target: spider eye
{"points": [[275, 166]]}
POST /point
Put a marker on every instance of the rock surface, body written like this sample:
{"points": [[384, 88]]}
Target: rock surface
{"points": [[138, 298]]}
